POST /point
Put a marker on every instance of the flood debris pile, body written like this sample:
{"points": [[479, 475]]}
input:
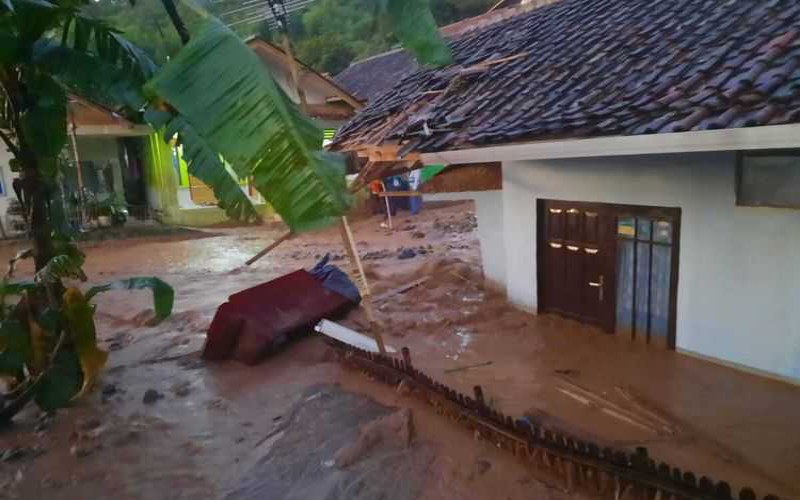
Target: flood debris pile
{"points": [[456, 225]]}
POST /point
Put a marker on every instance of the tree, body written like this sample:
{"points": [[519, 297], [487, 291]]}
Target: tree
{"points": [[334, 33], [48, 345], [215, 95]]}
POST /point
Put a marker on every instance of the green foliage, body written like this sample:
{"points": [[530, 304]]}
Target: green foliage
{"points": [[44, 123], [67, 263], [414, 25], [163, 294], [145, 24], [221, 89], [15, 347], [334, 33], [61, 382], [328, 36]]}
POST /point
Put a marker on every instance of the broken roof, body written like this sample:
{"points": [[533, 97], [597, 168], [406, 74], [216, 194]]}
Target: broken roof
{"points": [[370, 77], [581, 68]]}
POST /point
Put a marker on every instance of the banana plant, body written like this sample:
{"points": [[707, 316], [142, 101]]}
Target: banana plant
{"points": [[234, 122], [48, 343]]}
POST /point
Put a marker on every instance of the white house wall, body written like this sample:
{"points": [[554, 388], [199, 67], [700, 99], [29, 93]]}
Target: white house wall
{"points": [[739, 276]]}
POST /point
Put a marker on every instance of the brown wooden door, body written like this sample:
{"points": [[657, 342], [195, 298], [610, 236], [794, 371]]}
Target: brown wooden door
{"points": [[577, 262]]}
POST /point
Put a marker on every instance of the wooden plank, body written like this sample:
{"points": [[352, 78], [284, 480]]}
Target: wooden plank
{"points": [[400, 194], [464, 178], [587, 401], [401, 289]]}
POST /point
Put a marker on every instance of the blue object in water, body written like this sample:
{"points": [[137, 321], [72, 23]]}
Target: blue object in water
{"points": [[335, 280]]}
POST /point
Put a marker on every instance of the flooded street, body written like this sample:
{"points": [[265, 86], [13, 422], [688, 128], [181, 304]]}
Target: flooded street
{"points": [[164, 424]]}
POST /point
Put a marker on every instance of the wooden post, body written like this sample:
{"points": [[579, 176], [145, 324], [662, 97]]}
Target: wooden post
{"points": [[361, 282], [295, 73], [74, 141], [388, 210]]}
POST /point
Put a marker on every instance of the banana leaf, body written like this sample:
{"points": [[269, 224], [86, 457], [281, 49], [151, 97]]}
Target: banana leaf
{"points": [[163, 294], [225, 94]]}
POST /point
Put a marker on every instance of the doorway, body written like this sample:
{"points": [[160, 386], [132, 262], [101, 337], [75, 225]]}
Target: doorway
{"points": [[613, 266]]}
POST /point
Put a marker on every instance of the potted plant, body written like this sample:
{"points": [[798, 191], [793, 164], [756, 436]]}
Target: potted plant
{"points": [[112, 211]]}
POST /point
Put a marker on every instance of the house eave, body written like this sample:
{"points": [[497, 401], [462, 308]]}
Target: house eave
{"points": [[736, 139]]}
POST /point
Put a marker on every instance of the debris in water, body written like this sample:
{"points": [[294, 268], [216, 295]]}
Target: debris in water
{"points": [[467, 367], [348, 336], [407, 253], [109, 390], [181, 389], [396, 429], [151, 396], [80, 451], [11, 454]]}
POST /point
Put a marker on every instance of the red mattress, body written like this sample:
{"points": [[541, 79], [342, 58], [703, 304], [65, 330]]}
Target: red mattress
{"points": [[256, 321]]}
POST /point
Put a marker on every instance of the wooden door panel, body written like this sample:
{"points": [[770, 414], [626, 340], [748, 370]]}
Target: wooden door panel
{"points": [[574, 225], [555, 276], [591, 227], [555, 224], [576, 253], [573, 277], [594, 287]]}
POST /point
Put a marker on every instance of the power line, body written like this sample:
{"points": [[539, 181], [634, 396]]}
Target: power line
{"points": [[272, 11], [290, 5]]}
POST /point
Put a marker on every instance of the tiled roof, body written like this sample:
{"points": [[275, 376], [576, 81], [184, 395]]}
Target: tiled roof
{"points": [[370, 77], [581, 68]]}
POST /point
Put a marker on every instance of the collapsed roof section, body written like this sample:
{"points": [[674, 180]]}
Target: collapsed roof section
{"points": [[583, 68], [370, 77]]}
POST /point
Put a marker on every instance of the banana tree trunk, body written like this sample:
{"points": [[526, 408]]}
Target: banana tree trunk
{"points": [[36, 193]]}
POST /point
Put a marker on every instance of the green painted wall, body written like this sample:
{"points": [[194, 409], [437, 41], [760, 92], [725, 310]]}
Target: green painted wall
{"points": [[161, 178], [163, 182]]}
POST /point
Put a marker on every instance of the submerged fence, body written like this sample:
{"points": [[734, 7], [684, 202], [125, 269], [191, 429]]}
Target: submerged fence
{"points": [[577, 464]]}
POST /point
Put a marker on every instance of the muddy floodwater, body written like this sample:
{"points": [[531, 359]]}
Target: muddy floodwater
{"points": [[275, 430]]}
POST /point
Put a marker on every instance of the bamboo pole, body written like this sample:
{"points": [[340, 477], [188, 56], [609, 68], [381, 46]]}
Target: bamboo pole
{"points": [[271, 247], [361, 282]]}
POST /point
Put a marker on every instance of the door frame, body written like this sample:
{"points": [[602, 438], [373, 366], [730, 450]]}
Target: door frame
{"points": [[618, 210]]}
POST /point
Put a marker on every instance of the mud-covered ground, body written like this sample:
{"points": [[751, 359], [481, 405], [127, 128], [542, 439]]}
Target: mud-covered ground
{"points": [[294, 427]]}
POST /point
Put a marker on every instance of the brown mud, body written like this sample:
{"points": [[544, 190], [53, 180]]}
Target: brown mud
{"points": [[232, 431]]}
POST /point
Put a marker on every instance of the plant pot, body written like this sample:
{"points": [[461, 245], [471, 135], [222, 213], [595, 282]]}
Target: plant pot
{"points": [[103, 221]]}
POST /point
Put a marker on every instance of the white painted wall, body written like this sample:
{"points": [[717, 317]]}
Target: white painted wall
{"points": [[739, 276], [489, 212]]}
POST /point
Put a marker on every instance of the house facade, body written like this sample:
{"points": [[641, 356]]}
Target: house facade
{"points": [[106, 148], [650, 163]]}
